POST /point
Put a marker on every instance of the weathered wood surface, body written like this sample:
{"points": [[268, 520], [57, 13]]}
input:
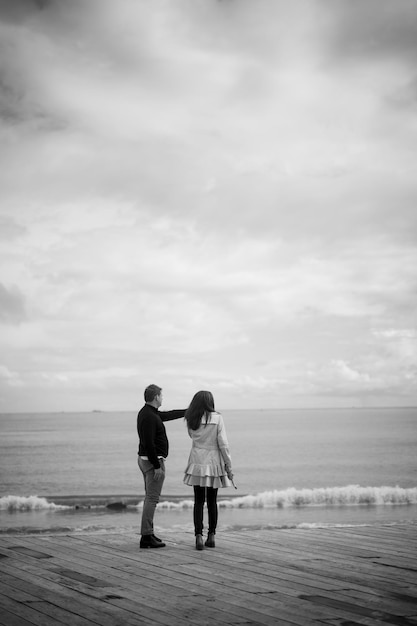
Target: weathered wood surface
{"points": [[337, 576]]}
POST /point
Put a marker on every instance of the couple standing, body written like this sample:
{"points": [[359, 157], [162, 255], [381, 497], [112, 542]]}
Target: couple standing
{"points": [[209, 464]]}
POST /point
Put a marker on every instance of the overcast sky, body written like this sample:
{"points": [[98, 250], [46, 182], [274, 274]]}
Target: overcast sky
{"points": [[208, 194]]}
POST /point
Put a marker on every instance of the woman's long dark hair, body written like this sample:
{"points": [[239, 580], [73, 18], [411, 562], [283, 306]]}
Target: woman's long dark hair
{"points": [[201, 404]]}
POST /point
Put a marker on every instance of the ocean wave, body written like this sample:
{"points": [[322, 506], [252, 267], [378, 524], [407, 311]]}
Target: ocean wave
{"points": [[28, 503], [350, 495], [327, 496]]}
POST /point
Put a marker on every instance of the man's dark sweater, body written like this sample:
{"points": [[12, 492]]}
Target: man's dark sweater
{"points": [[153, 440]]}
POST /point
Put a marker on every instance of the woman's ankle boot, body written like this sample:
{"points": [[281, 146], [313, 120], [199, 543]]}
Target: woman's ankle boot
{"points": [[210, 543], [199, 545]]}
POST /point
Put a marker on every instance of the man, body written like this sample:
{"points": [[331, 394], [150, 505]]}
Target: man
{"points": [[153, 450]]}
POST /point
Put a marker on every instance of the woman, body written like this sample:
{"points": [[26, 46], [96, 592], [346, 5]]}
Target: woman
{"points": [[209, 464]]}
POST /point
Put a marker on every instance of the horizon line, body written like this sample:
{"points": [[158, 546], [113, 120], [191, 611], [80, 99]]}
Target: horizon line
{"points": [[302, 408]]}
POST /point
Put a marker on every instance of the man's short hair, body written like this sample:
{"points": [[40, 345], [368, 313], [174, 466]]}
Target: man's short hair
{"points": [[151, 392]]}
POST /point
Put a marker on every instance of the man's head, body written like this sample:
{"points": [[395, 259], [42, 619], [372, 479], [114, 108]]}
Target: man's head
{"points": [[153, 395]]}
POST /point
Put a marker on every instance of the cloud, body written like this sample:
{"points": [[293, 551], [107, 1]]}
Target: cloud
{"points": [[12, 305], [10, 229], [217, 194], [376, 30], [393, 333]]}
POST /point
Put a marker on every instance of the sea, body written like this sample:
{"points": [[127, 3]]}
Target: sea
{"points": [[308, 468]]}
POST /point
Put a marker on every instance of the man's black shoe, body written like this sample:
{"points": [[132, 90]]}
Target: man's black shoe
{"points": [[149, 541]]}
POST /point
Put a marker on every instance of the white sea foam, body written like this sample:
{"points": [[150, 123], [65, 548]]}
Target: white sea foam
{"points": [[325, 496], [28, 503], [169, 505], [349, 495]]}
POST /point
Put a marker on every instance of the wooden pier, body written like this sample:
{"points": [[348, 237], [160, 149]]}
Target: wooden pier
{"points": [[338, 576]]}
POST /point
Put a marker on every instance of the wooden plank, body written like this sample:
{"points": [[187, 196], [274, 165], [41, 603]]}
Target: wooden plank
{"points": [[29, 552], [73, 603], [36, 612], [353, 553], [354, 559], [348, 546], [257, 607], [11, 619], [376, 540], [25, 605], [263, 592], [218, 565], [157, 601], [93, 562], [407, 607], [265, 577], [312, 561], [153, 606]]}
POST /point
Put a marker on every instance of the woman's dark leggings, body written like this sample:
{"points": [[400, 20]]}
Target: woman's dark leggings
{"points": [[200, 495]]}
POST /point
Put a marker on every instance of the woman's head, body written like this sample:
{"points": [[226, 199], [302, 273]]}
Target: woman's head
{"points": [[201, 404], [203, 400]]}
